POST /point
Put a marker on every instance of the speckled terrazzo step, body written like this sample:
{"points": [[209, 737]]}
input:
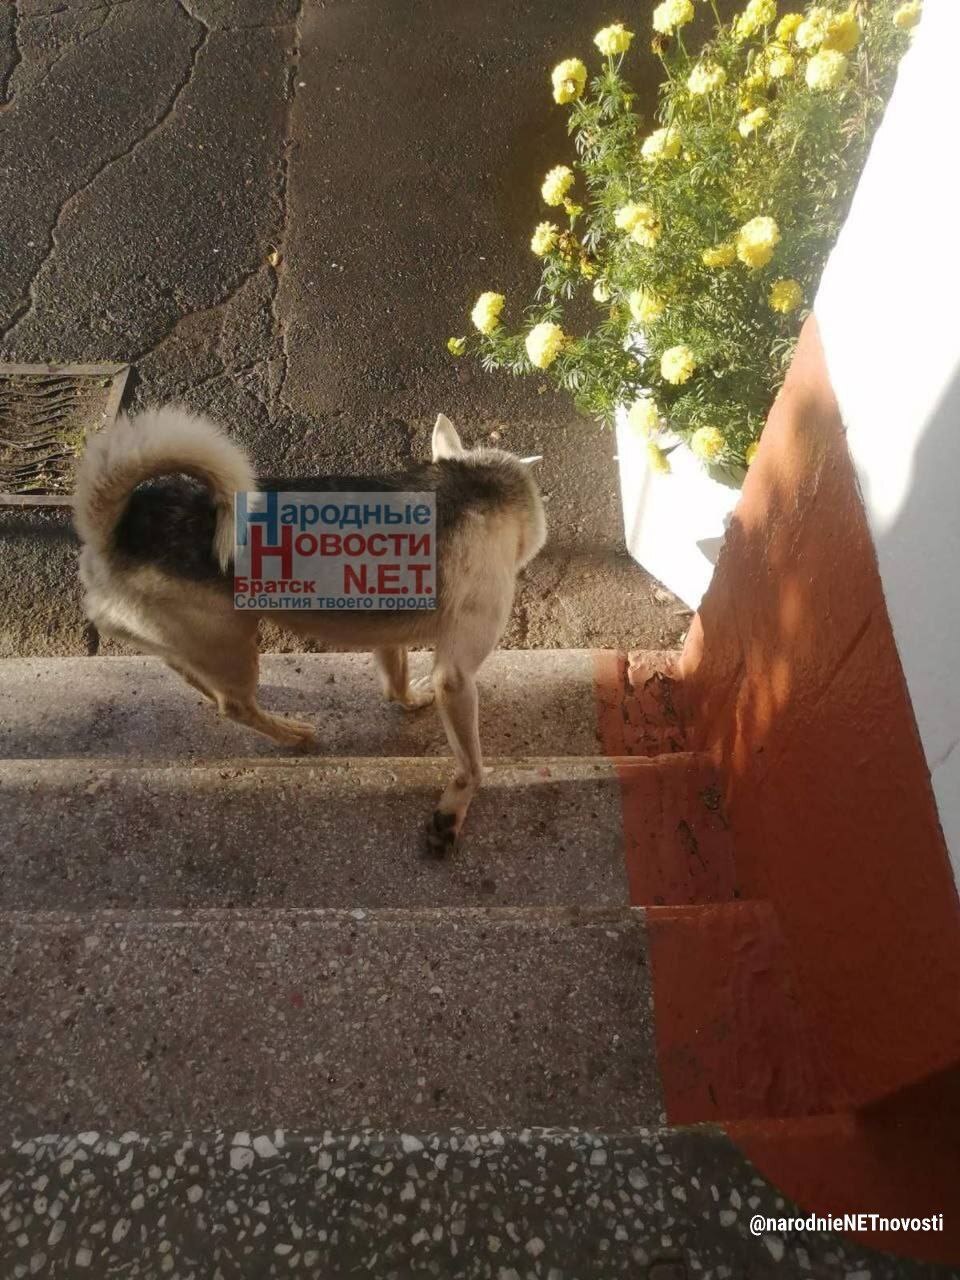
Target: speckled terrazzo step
{"points": [[343, 833], [156, 1020], [532, 702], [549, 1204]]}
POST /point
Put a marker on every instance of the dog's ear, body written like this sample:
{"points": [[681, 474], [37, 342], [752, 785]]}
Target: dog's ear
{"points": [[446, 442]]}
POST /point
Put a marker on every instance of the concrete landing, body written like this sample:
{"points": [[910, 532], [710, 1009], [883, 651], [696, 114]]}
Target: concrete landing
{"points": [[349, 832], [157, 1020], [560, 1205], [536, 702]]}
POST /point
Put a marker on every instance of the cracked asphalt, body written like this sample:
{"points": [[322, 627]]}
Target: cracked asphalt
{"points": [[277, 212]]}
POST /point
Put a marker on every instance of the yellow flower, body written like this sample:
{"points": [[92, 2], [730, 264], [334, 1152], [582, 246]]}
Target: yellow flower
{"points": [[780, 63], [556, 184], [843, 32], [707, 444], [569, 80], [544, 238], [826, 70], [456, 346], [672, 14], [757, 14], [751, 452], [588, 268], [613, 40], [785, 296], [644, 416], [756, 241], [657, 460], [645, 307], [753, 121], [572, 210], [720, 255], [705, 77], [908, 15], [544, 343], [812, 30], [787, 26], [677, 365], [486, 313], [600, 292], [663, 144], [640, 222]]}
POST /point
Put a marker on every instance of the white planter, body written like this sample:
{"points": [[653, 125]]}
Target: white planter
{"points": [[674, 525]]}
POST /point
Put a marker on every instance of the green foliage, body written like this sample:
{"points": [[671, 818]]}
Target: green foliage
{"points": [[800, 167]]}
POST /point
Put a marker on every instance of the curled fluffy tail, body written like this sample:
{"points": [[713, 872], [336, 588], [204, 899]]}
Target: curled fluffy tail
{"points": [[157, 442]]}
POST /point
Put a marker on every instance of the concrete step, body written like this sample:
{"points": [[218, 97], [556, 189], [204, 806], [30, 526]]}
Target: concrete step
{"points": [[238, 1019], [532, 702], [343, 833], [557, 1204]]}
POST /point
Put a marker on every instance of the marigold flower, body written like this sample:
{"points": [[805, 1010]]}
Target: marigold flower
{"points": [[601, 292], [556, 184], [640, 222], [657, 460], [705, 77], [787, 26], [751, 452], [757, 14], [843, 32], [753, 121], [756, 241], [677, 365], [785, 296], [719, 255], [544, 238], [812, 31], [707, 443], [908, 15], [486, 312], [644, 416], [672, 14], [456, 346], [780, 64], [645, 307], [663, 144], [544, 343], [569, 80], [826, 70], [613, 40]]}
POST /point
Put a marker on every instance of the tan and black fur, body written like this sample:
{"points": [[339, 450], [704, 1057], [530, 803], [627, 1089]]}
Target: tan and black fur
{"points": [[154, 510]]}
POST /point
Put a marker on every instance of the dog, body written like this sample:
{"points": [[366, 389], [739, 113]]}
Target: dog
{"points": [[153, 507]]}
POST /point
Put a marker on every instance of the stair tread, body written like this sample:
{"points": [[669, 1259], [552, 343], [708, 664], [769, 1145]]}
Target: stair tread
{"points": [[532, 702], [508, 1202], [348, 832], [157, 1020]]}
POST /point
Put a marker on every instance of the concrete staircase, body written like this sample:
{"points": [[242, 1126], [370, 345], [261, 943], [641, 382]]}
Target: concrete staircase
{"points": [[250, 1031]]}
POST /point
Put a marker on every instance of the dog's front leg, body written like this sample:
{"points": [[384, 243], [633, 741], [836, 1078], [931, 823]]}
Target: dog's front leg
{"points": [[456, 691]]}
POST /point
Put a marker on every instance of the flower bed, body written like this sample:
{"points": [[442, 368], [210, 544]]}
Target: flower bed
{"points": [[707, 232]]}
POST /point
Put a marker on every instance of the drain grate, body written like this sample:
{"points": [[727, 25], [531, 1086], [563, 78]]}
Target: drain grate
{"points": [[46, 411]]}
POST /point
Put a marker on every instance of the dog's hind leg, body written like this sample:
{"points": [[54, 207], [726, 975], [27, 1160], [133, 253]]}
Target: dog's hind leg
{"points": [[392, 661], [230, 679]]}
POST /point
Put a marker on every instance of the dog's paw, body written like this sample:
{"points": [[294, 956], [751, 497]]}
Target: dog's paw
{"points": [[420, 694], [299, 734], [441, 834]]}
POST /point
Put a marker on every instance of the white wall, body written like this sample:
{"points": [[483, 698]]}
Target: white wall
{"points": [[889, 314]]}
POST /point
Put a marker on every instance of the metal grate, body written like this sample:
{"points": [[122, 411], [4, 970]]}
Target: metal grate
{"points": [[46, 411]]}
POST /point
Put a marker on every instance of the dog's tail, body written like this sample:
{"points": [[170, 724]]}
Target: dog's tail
{"points": [[157, 442]]}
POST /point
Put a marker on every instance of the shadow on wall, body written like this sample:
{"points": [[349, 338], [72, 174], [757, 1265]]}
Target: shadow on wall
{"points": [[918, 549], [795, 684]]}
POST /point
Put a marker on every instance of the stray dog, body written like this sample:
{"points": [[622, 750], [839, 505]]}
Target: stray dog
{"points": [[157, 572]]}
